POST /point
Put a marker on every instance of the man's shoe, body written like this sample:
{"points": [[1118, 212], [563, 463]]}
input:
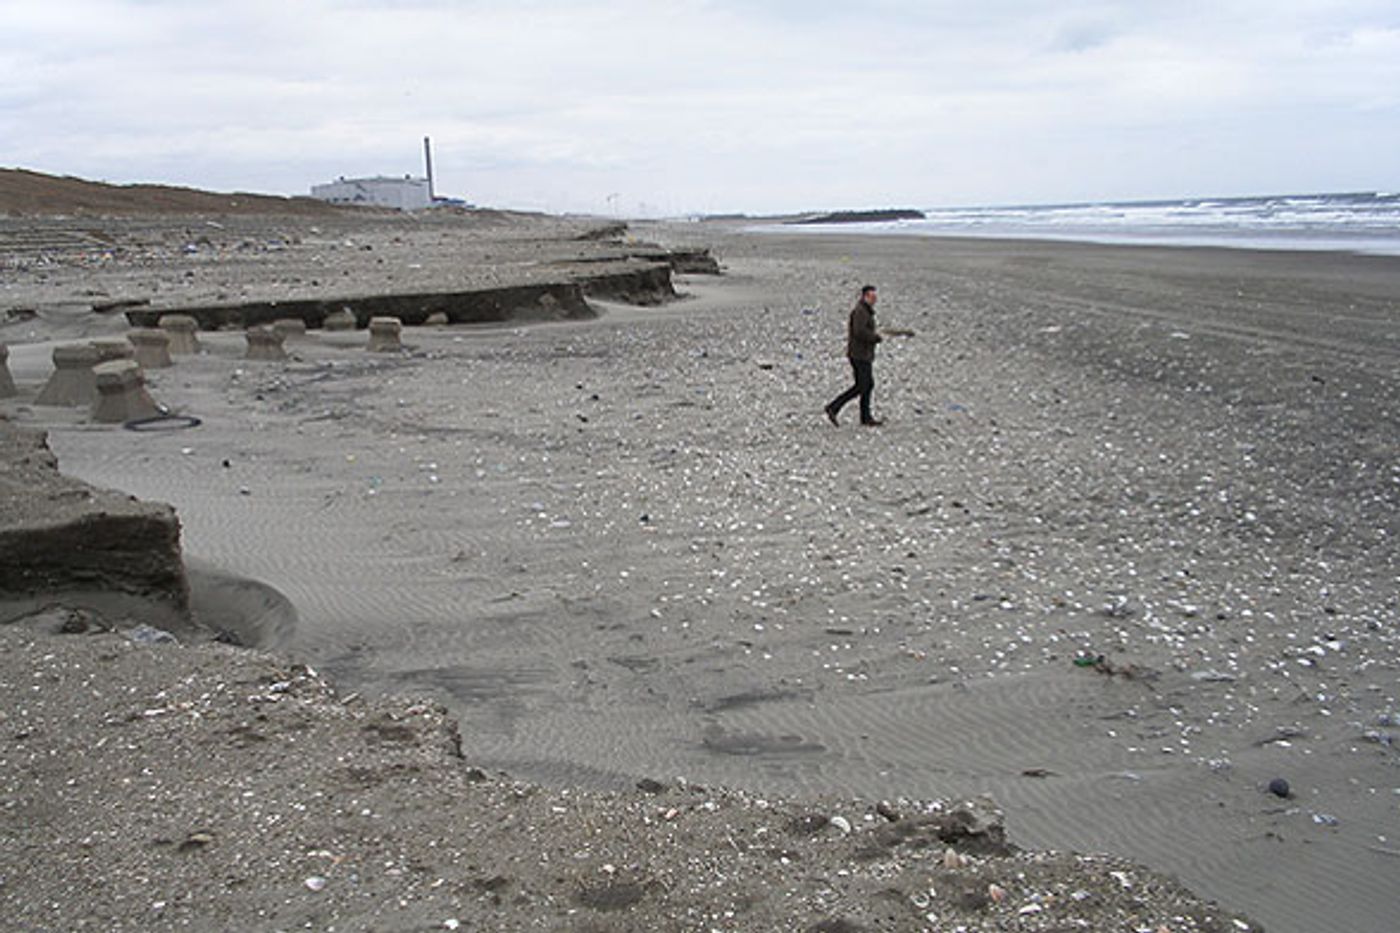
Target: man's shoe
{"points": [[831, 416], [873, 423]]}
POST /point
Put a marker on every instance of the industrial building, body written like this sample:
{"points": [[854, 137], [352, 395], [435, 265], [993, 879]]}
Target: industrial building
{"points": [[406, 193]]}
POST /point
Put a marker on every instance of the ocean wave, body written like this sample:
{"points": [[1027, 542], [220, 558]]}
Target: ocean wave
{"points": [[1347, 221]]}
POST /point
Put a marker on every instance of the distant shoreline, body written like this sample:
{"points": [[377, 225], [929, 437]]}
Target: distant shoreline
{"points": [[860, 217], [1378, 247], [1362, 223]]}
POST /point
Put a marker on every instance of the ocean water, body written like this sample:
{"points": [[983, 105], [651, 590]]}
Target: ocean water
{"points": [[1363, 222]]}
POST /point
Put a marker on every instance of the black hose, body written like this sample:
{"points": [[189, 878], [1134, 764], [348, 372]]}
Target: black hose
{"points": [[163, 422]]}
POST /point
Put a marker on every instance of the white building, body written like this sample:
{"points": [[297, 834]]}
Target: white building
{"points": [[406, 193]]}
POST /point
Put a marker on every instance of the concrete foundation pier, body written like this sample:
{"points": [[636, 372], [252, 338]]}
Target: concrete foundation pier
{"points": [[182, 330], [291, 328], [121, 393], [7, 383], [114, 348], [384, 334], [72, 383], [264, 343], [339, 320], [152, 347]]}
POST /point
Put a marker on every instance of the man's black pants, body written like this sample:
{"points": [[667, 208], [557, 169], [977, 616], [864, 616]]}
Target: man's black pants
{"points": [[864, 371]]}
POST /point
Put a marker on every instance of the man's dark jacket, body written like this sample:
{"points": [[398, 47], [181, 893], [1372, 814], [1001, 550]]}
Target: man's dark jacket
{"points": [[861, 339]]}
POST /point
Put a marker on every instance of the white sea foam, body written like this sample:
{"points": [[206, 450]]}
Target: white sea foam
{"points": [[1362, 222]]}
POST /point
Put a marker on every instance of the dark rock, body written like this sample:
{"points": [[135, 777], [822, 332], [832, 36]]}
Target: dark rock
{"points": [[1279, 788], [76, 622], [975, 826]]}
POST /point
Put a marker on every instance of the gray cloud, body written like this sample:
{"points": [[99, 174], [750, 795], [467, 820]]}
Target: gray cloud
{"points": [[712, 104]]}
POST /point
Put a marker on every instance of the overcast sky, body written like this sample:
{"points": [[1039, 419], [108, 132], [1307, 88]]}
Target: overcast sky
{"points": [[647, 106]]}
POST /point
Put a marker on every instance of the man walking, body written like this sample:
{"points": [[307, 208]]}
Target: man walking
{"points": [[860, 348]]}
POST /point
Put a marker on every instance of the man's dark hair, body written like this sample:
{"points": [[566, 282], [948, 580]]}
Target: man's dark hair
{"points": [[866, 289]]}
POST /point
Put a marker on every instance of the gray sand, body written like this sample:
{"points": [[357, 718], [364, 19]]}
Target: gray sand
{"points": [[214, 788], [635, 548]]}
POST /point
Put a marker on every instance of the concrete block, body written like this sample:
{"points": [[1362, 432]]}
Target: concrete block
{"points": [[114, 348], [183, 332], [72, 383], [121, 393], [384, 334], [264, 343], [7, 383], [152, 347], [343, 319], [291, 328]]}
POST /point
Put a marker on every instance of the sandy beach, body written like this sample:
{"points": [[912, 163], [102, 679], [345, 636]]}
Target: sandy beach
{"points": [[1123, 553]]}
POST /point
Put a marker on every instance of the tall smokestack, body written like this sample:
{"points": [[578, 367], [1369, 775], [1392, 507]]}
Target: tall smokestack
{"points": [[428, 161]]}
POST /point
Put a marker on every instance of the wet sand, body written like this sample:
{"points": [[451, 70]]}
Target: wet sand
{"points": [[634, 547]]}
